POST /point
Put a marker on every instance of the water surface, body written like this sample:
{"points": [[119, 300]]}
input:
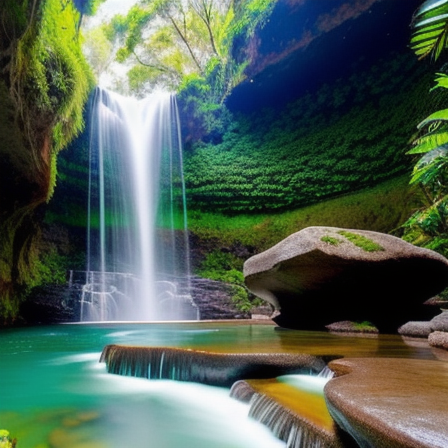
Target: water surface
{"points": [[56, 393]]}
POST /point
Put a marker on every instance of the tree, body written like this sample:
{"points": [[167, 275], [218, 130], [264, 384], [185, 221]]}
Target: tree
{"points": [[98, 50], [168, 42]]}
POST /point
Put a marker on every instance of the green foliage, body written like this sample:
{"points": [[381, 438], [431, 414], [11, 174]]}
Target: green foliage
{"points": [[186, 46], [205, 116], [344, 137], [51, 78], [47, 81], [5, 439], [68, 77], [50, 269], [361, 241], [218, 260], [383, 209], [98, 49], [428, 226], [88, 7]]}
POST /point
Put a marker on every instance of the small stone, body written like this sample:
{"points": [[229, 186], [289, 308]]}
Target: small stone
{"points": [[347, 326], [416, 329], [438, 339]]}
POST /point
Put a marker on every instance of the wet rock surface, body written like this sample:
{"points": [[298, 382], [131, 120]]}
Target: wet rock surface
{"points": [[215, 369], [393, 403], [325, 274], [425, 328], [214, 300], [51, 304]]}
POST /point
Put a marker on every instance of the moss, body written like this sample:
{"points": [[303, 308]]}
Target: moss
{"points": [[330, 240], [365, 326], [361, 241]]}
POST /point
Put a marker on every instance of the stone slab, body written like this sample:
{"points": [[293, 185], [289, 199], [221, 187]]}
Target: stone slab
{"points": [[390, 402]]}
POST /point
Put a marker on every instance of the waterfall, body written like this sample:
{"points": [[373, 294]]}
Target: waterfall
{"points": [[137, 242]]}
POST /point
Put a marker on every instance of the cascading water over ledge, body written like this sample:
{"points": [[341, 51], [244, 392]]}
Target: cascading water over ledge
{"points": [[137, 249], [216, 369], [293, 407]]}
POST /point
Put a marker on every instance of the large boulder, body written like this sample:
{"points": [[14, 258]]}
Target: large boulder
{"points": [[325, 274]]}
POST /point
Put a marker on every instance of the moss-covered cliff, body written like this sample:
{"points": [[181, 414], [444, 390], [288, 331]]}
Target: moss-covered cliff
{"points": [[44, 83]]}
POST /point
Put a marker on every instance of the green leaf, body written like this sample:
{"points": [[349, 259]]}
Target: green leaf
{"points": [[430, 29], [429, 142], [440, 115]]}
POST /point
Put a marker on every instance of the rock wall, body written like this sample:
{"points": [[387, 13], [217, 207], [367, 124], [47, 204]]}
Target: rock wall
{"points": [[44, 83]]}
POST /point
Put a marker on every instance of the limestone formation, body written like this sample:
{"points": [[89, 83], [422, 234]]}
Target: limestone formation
{"points": [[320, 275]]}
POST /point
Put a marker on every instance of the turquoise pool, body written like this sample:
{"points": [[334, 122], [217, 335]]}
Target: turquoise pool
{"points": [[55, 393]]}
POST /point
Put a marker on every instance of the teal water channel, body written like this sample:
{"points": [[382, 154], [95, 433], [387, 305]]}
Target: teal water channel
{"points": [[54, 392]]}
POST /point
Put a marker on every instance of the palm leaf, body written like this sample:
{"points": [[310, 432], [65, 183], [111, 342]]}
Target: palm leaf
{"points": [[429, 8], [435, 137], [439, 116], [426, 172], [428, 158], [441, 81], [429, 142], [430, 25]]}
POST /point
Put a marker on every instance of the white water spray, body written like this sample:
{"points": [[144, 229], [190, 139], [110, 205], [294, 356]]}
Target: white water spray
{"points": [[138, 265]]}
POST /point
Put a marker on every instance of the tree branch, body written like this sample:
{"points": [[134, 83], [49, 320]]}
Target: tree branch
{"points": [[157, 67], [186, 43], [206, 15]]}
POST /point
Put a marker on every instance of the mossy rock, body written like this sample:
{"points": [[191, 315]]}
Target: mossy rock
{"points": [[367, 276]]}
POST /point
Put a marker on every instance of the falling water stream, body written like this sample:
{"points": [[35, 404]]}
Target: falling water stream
{"points": [[138, 254]]}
